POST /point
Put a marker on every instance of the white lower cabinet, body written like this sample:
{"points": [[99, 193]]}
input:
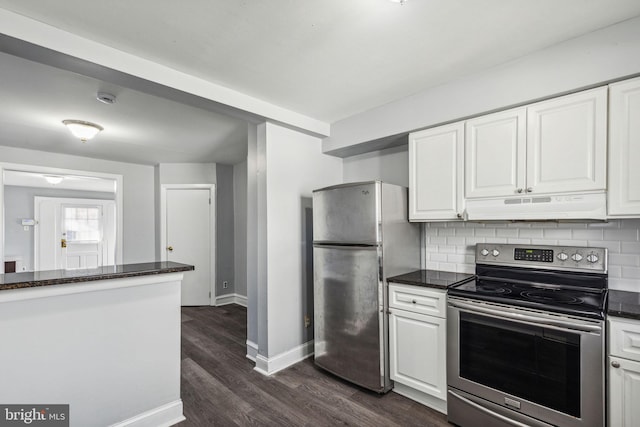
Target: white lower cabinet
{"points": [[624, 373], [417, 346], [624, 392]]}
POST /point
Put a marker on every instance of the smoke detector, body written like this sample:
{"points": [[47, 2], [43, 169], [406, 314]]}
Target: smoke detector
{"points": [[105, 97]]}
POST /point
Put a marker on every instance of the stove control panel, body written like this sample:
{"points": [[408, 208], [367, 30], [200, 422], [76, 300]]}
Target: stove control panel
{"points": [[528, 254], [571, 258]]}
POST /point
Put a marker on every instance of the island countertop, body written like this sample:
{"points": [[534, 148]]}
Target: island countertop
{"points": [[34, 279], [68, 330]]}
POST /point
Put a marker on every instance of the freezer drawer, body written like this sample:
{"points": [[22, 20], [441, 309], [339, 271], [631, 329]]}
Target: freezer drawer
{"points": [[349, 323], [347, 213]]}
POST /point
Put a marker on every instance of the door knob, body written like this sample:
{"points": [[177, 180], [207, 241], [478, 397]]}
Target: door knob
{"points": [[63, 243], [615, 364], [170, 248]]}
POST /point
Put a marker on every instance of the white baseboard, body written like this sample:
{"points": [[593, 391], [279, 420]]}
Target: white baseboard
{"points": [[271, 365], [162, 416], [420, 397], [231, 299], [252, 350]]}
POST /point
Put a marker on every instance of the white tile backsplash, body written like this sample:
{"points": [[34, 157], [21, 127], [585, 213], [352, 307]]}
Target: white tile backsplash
{"points": [[450, 246]]}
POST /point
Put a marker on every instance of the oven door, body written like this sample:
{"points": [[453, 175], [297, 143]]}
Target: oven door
{"points": [[508, 363]]}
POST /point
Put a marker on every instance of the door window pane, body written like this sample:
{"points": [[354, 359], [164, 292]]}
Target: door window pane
{"points": [[82, 223]]}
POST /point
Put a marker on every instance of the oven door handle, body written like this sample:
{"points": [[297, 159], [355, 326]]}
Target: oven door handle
{"points": [[527, 318], [488, 411]]}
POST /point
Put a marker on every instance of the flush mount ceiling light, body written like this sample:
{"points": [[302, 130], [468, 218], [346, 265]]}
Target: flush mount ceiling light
{"points": [[82, 130], [54, 179]]}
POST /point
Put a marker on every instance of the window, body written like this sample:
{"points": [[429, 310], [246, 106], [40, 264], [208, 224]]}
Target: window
{"points": [[82, 223]]}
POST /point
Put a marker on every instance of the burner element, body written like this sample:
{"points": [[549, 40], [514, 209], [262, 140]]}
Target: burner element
{"points": [[550, 296], [493, 288]]}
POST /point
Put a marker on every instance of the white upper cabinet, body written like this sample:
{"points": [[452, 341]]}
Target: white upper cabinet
{"points": [[474, 168], [436, 173], [624, 148], [553, 146], [567, 143], [495, 154]]}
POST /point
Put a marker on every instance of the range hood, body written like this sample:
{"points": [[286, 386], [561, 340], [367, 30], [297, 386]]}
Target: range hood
{"points": [[588, 206]]}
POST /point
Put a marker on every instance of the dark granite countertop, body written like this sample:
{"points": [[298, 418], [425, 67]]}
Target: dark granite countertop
{"points": [[624, 304], [58, 277], [430, 278]]}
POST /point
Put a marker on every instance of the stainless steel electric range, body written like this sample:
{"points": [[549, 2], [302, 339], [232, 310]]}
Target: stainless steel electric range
{"points": [[526, 338]]}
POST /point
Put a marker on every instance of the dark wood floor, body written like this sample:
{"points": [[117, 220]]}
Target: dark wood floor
{"points": [[220, 387]]}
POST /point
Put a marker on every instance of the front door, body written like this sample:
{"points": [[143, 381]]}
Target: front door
{"points": [[74, 233], [188, 216]]}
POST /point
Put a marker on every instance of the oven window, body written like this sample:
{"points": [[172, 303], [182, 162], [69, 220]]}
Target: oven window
{"points": [[537, 364]]}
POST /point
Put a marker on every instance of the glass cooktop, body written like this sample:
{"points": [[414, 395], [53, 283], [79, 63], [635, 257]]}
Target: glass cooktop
{"points": [[568, 301]]}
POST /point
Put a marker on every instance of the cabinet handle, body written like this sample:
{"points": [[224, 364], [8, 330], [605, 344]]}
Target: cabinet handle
{"points": [[459, 216], [519, 190], [615, 364], [414, 301], [529, 189]]}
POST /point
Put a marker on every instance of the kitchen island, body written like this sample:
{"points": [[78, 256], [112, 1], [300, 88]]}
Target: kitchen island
{"points": [[106, 341]]}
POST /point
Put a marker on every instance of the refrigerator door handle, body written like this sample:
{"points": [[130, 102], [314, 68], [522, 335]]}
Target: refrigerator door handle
{"points": [[353, 246]]}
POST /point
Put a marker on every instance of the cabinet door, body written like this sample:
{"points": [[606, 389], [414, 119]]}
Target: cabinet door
{"points": [[624, 148], [495, 154], [417, 347], [567, 143], [435, 173], [624, 393]]}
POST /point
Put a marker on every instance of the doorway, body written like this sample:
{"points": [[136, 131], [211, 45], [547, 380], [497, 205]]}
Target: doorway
{"points": [[74, 233], [187, 224]]}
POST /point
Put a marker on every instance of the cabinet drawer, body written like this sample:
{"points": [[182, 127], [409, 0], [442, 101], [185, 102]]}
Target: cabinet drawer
{"points": [[624, 339], [417, 299]]}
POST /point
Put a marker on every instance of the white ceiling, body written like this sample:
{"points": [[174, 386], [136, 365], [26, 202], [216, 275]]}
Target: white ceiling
{"points": [[138, 128], [327, 59]]}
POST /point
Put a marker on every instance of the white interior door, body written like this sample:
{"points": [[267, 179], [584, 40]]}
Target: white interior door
{"points": [[74, 233], [188, 238]]}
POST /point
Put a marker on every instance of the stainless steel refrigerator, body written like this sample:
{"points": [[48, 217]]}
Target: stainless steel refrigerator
{"points": [[361, 236]]}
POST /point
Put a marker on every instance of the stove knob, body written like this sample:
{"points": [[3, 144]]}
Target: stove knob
{"points": [[484, 252], [592, 258], [495, 252], [562, 256], [576, 257]]}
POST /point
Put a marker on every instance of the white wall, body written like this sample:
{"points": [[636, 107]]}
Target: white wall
{"points": [[187, 173], [19, 204], [252, 241], [604, 55], [290, 165], [138, 194], [240, 227], [449, 246], [390, 165]]}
